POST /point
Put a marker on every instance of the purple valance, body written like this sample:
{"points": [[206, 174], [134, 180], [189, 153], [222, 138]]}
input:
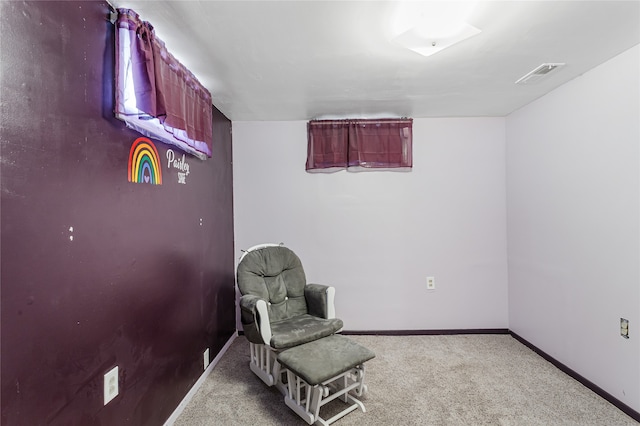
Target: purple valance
{"points": [[359, 144], [155, 88]]}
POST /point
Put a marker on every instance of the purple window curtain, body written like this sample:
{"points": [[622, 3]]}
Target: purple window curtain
{"points": [[186, 104], [381, 143], [142, 66], [327, 145], [166, 93], [359, 145]]}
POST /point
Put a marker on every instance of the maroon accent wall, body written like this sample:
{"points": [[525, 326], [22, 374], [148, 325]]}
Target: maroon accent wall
{"points": [[147, 283]]}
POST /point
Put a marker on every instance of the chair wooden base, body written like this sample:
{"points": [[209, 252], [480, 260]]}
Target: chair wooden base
{"points": [[264, 364]]}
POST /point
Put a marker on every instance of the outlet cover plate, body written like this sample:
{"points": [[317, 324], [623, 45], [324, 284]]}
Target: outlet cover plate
{"points": [[624, 328], [431, 283], [110, 385]]}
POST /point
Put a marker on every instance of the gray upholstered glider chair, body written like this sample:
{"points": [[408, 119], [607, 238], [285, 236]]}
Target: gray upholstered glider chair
{"points": [[279, 310]]}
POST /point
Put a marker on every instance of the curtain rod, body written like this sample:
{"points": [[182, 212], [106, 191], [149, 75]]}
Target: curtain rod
{"points": [[401, 120]]}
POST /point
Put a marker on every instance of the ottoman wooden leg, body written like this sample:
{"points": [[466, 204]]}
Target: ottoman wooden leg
{"points": [[323, 370], [306, 400]]}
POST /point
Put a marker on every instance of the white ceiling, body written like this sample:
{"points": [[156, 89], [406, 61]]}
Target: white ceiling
{"points": [[299, 60]]}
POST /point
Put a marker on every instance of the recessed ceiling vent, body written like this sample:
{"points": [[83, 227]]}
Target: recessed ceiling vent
{"points": [[539, 73]]}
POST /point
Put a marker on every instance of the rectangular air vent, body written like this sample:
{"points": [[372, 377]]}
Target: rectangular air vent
{"points": [[539, 73]]}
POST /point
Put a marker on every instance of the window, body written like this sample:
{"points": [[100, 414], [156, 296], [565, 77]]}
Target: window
{"points": [[358, 145], [155, 94]]}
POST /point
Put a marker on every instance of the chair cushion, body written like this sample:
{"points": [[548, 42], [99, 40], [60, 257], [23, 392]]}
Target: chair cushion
{"points": [[302, 329], [318, 361], [274, 274]]}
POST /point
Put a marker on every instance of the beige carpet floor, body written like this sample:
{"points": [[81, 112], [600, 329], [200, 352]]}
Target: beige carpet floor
{"points": [[419, 380]]}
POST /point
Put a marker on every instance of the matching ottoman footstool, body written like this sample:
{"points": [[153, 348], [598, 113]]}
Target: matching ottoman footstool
{"points": [[320, 371]]}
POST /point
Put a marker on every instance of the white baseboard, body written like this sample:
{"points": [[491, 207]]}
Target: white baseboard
{"points": [[196, 386]]}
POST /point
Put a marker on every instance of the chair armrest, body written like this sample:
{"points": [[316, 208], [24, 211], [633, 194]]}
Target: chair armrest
{"points": [[255, 319], [320, 300]]}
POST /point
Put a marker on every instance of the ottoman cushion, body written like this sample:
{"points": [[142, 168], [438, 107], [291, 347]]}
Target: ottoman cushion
{"points": [[322, 359]]}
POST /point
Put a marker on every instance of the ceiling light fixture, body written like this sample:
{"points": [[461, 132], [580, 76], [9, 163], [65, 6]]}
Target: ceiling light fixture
{"points": [[428, 27]]}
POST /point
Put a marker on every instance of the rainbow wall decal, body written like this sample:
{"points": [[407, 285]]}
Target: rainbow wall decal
{"points": [[144, 163]]}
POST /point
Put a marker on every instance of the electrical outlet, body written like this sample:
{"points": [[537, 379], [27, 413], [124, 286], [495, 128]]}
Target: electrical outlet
{"points": [[624, 328], [206, 358], [110, 385], [431, 283]]}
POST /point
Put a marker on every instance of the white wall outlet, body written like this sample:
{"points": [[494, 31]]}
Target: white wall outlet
{"points": [[431, 283], [624, 328], [110, 385], [206, 358]]}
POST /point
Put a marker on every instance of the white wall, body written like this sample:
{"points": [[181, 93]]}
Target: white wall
{"points": [[375, 236], [573, 224]]}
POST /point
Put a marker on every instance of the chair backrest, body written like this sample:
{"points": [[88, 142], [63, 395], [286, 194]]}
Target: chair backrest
{"points": [[274, 274]]}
